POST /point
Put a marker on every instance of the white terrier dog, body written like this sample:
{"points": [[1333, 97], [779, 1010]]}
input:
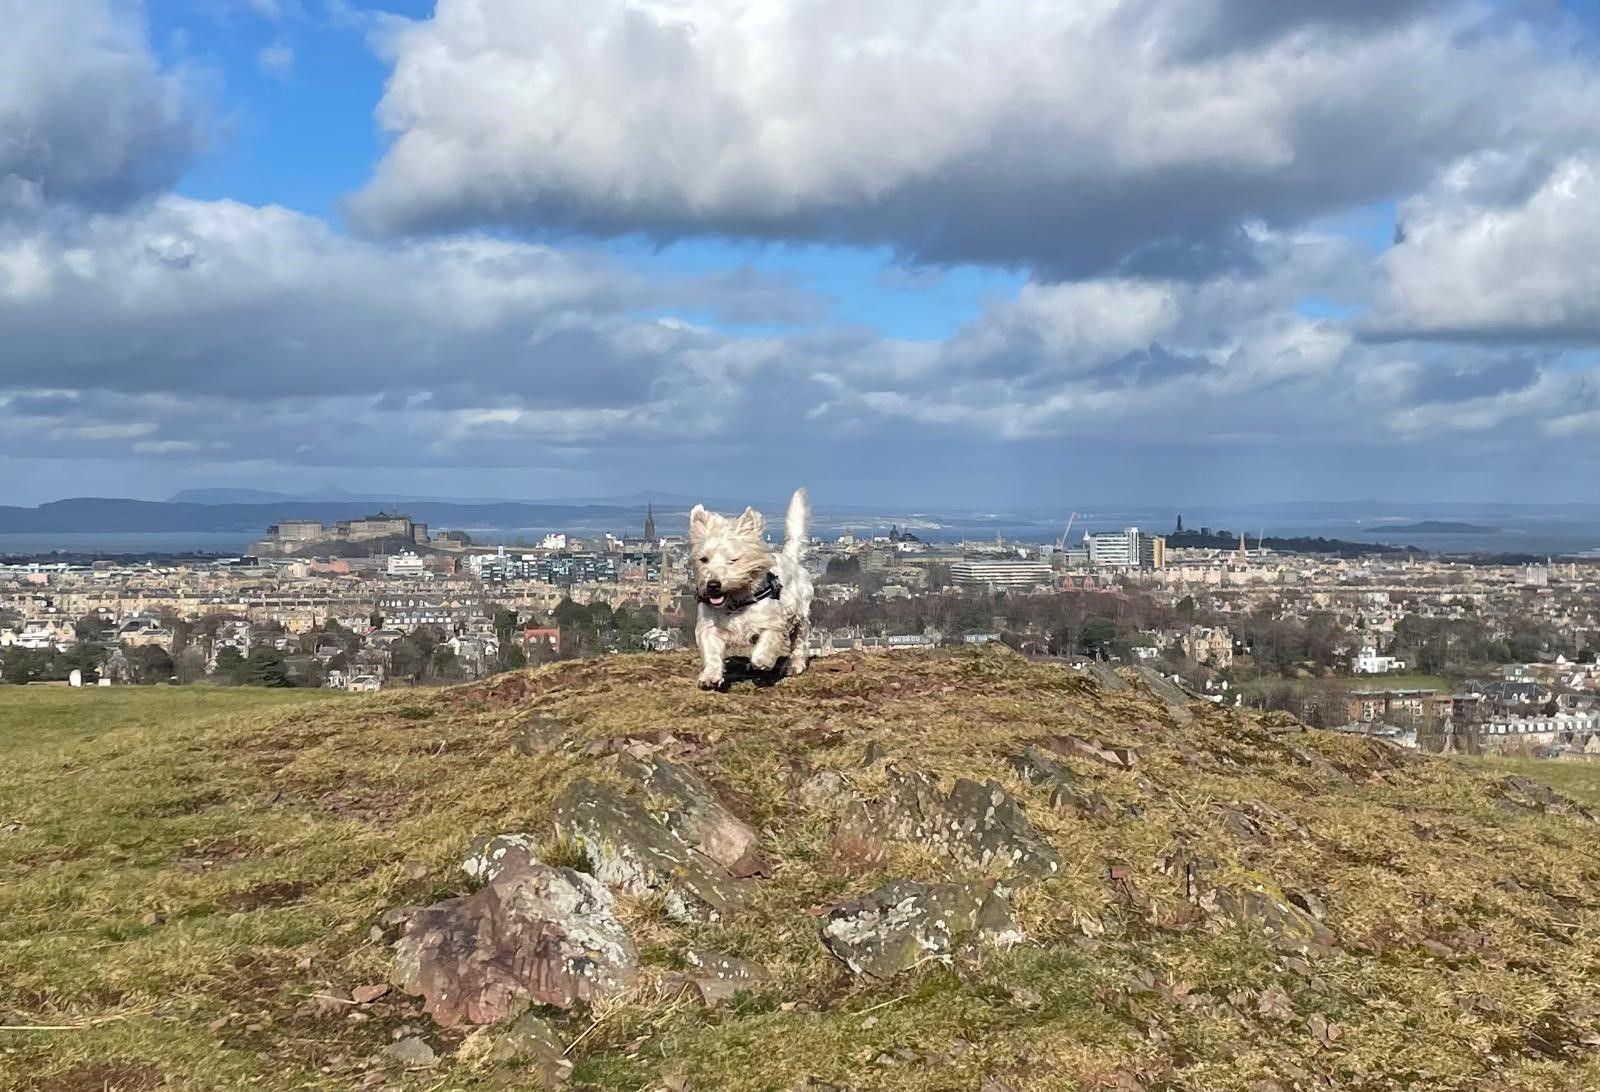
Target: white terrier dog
{"points": [[750, 597]]}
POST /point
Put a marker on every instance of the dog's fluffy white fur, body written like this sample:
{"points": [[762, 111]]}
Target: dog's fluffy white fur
{"points": [[730, 559]]}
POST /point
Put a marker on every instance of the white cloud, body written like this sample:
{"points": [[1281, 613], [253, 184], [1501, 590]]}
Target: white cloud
{"points": [[1072, 138], [1478, 261]]}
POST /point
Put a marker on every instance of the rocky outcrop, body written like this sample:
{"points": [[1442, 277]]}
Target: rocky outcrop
{"points": [[532, 932], [632, 851], [1172, 697], [1068, 791], [979, 826], [692, 812], [905, 924]]}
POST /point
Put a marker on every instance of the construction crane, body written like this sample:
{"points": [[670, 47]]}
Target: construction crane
{"points": [[1061, 543]]}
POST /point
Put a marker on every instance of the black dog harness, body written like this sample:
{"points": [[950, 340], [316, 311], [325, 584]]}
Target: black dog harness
{"points": [[769, 588]]}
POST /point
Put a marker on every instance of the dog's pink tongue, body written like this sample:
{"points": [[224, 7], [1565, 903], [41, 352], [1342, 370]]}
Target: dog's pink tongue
{"points": [[716, 600]]}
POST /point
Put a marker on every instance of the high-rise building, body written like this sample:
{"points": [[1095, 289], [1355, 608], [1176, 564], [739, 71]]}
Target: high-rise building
{"points": [[1128, 548]]}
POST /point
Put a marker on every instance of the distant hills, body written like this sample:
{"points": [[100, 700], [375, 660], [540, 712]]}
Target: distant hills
{"points": [[88, 515], [1434, 527]]}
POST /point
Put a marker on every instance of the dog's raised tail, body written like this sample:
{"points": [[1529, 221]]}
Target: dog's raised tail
{"points": [[796, 525]]}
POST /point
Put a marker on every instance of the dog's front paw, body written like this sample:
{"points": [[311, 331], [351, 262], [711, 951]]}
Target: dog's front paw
{"points": [[710, 679]]}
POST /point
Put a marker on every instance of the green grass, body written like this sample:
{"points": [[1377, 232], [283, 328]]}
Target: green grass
{"points": [[1579, 780], [193, 868], [35, 717]]}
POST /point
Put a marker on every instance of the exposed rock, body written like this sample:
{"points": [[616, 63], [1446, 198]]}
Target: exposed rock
{"points": [[1172, 697], [663, 741], [1241, 826], [488, 856], [392, 922], [701, 989], [1318, 763], [1104, 676], [904, 924], [827, 788], [539, 735], [535, 932], [1531, 795], [1123, 758], [979, 825], [1067, 791], [1270, 910], [365, 995], [726, 967], [412, 1053], [633, 852], [696, 816], [714, 979], [527, 1039]]}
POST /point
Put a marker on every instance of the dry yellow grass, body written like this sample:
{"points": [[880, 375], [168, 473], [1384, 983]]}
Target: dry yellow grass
{"points": [[192, 869]]}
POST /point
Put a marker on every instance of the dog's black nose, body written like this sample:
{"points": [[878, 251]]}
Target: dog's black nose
{"points": [[713, 586]]}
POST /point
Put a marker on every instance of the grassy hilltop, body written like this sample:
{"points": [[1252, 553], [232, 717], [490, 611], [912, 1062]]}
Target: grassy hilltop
{"points": [[190, 883]]}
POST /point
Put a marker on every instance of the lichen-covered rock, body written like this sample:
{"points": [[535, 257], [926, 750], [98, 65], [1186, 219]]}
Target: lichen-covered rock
{"points": [[487, 856], [534, 932], [824, 789], [631, 851], [978, 825], [695, 814], [726, 967], [905, 924]]}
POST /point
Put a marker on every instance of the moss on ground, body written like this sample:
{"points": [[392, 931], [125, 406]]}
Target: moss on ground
{"points": [[189, 881]]}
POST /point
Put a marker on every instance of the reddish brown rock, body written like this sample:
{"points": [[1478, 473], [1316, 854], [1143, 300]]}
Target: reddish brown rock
{"points": [[549, 935]]}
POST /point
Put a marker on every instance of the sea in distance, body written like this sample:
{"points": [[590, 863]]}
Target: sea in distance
{"points": [[1452, 529]]}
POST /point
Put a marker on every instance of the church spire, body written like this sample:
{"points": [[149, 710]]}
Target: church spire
{"points": [[649, 522]]}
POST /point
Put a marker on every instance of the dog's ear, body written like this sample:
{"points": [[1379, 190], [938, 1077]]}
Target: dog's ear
{"points": [[750, 523], [698, 518]]}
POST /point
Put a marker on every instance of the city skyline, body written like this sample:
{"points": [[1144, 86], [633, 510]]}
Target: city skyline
{"points": [[488, 248]]}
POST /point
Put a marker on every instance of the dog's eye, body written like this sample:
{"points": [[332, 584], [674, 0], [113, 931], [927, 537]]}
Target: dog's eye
{"points": [[703, 560]]}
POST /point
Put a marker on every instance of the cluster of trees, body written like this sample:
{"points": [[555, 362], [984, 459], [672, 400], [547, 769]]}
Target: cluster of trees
{"points": [[1465, 646], [595, 628], [1102, 625]]}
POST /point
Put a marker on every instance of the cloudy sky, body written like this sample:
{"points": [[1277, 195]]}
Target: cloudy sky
{"points": [[971, 252]]}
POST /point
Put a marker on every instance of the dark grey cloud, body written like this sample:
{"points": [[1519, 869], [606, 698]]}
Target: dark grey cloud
{"points": [[87, 115], [1228, 25]]}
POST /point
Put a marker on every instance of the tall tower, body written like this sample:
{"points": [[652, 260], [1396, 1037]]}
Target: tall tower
{"points": [[649, 522], [1244, 554]]}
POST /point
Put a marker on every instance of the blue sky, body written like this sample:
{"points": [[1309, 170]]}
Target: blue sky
{"points": [[1113, 252]]}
